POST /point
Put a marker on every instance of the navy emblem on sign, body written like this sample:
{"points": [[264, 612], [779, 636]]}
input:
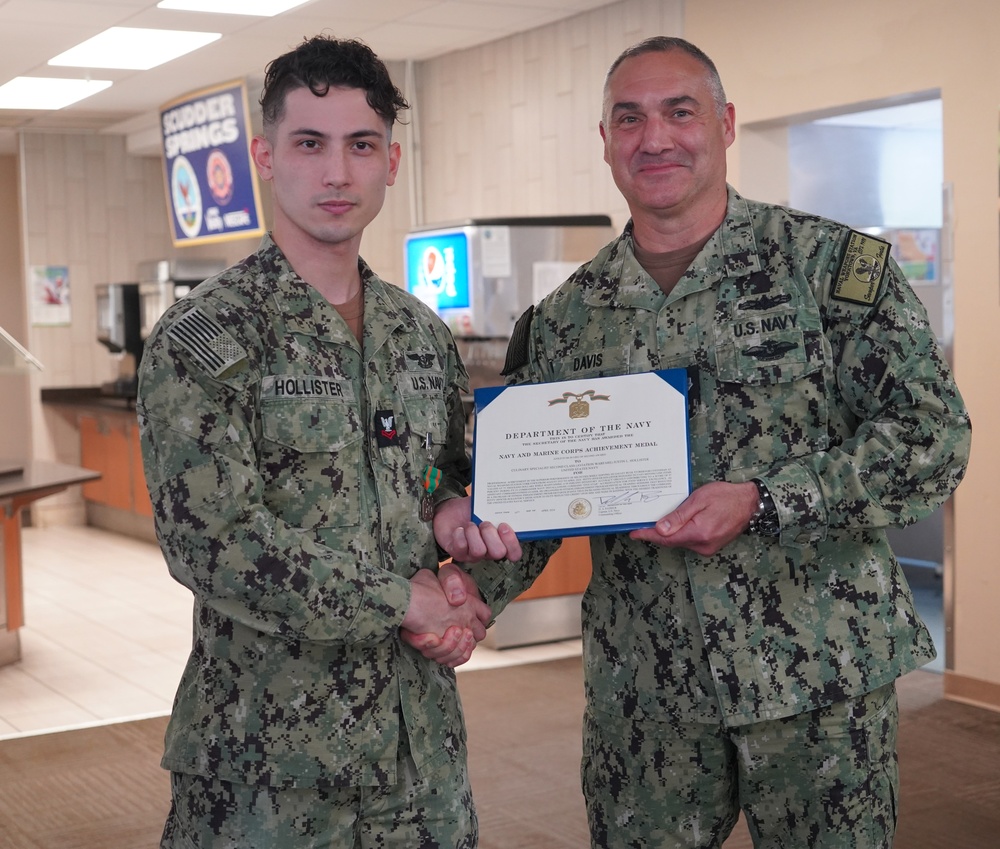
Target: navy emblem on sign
{"points": [[385, 428]]}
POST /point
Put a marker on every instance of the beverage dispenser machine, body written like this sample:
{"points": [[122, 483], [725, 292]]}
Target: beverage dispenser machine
{"points": [[126, 312], [480, 275], [163, 281]]}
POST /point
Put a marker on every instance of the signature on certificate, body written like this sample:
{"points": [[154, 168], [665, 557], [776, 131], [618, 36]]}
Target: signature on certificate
{"points": [[629, 497]]}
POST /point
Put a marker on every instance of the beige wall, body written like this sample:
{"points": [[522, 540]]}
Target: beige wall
{"points": [[90, 207], [510, 128]]}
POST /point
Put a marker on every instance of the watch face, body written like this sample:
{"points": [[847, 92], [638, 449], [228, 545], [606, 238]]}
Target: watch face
{"points": [[765, 523], [767, 526]]}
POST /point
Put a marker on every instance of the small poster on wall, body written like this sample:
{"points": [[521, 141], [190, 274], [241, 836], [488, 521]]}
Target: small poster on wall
{"points": [[917, 251], [211, 184], [50, 294]]}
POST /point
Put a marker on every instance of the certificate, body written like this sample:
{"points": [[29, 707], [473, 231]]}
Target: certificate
{"points": [[580, 457]]}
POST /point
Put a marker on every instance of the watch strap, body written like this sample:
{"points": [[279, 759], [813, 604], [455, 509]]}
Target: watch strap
{"points": [[764, 521]]}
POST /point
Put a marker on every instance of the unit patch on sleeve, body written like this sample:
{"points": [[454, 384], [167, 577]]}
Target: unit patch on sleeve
{"points": [[862, 270], [206, 341]]}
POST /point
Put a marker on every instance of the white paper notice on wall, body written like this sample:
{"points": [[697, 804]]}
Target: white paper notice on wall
{"points": [[547, 276], [494, 248]]}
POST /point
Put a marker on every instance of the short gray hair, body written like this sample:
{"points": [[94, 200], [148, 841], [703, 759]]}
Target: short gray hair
{"points": [[665, 44]]}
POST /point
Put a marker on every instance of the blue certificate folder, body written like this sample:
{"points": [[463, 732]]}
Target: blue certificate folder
{"points": [[581, 457]]}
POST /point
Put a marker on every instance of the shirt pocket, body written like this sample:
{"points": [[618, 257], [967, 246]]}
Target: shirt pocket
{"points": [[426, 419], [771, 390], [310, 459]]}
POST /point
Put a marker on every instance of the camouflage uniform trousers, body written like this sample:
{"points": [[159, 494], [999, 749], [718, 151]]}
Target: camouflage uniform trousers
{"points": [[827, 779], [434, 811]]}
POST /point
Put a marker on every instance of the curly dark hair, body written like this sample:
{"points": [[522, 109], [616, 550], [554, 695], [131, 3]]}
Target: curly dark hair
{"points": [[324, 62]]}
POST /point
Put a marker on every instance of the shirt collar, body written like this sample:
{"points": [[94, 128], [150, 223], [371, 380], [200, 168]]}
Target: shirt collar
{"points": [[731, 252]]}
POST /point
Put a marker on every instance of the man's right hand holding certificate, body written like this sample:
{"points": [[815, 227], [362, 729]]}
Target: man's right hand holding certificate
{"points": [[466, 541]]}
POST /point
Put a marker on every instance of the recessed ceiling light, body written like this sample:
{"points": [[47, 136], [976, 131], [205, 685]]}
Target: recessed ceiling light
{"points": [[47, 92], [133, 49], [258, 8]]}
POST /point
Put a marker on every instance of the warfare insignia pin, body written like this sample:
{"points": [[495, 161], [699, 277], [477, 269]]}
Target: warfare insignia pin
{"points": [[421, 360]]}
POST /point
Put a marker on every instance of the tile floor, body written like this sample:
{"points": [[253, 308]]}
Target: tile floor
{"points": [[108, 631]]}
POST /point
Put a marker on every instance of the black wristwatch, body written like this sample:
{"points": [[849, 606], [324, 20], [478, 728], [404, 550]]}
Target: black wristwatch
{"points": [[764, 521]]}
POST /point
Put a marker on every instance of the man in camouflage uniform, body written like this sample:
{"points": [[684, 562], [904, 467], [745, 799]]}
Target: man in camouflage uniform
{"points": [[291, 409], [742, 653]]}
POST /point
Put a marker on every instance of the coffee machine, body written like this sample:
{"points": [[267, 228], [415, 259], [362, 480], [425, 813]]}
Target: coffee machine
{"points": [[118, 331], [164, 281], [127, 312]]}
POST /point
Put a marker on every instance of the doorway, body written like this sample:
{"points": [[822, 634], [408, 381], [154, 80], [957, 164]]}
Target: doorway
{"points": [[879, 168]]}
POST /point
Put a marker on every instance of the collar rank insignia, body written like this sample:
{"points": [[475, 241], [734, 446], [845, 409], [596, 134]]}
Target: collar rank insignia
{"points": [[385, 429]]}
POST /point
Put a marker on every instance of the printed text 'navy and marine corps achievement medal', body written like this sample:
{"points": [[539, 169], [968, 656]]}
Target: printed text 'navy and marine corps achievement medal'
{"points": [[619, 460]]}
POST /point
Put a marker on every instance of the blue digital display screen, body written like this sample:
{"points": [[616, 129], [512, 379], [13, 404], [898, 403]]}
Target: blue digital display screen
{"points": [[437, 269]]}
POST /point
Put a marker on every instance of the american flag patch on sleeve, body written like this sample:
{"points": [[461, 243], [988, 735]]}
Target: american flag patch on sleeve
{"points": [[206, 341]]}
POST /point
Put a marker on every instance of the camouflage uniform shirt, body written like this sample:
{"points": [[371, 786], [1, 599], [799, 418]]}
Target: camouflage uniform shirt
{"points": [[846, 410], [284, 467]]}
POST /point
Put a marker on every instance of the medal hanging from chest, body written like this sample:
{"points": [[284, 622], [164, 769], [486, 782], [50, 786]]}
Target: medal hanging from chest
{"points": [[429, 479]]}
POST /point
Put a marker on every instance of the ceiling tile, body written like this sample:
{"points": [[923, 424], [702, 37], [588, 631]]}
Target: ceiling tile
{"points": [[34, 31]]}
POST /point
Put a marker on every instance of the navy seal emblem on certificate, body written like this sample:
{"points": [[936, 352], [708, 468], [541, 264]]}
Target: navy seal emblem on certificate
{"points": [[581, 457]]}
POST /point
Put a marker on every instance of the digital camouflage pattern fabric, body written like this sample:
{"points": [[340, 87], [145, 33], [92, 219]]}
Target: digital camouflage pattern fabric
{"points": [[827, 778], [416, 812], [845, 409], [284, 468]]}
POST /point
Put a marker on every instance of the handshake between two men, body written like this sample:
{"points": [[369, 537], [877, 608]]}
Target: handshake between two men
{"points": [[447, 617]]}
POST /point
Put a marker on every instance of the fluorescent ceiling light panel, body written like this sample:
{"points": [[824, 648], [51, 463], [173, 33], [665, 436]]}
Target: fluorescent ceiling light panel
{"points": [[47, 92], [258, 8], [133, 49]]}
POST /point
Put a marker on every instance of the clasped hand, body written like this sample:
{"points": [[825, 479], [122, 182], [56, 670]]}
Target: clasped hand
{"points": [[443, 627], [447, 633]]}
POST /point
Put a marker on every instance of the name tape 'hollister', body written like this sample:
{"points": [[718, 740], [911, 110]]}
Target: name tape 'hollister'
{"points": [[306, 386]]}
